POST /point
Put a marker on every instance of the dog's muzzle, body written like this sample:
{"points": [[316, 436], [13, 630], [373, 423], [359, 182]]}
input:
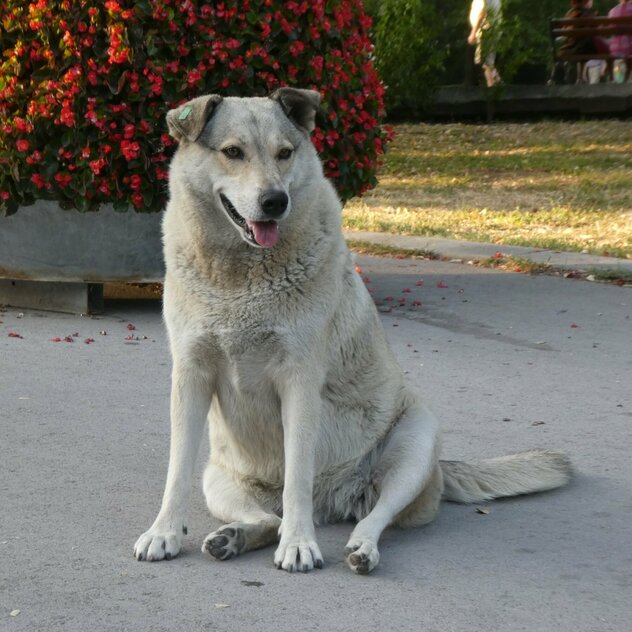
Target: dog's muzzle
{"points": [[264, 234]]}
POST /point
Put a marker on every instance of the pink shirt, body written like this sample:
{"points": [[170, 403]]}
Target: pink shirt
{"points": [[621, 45]]}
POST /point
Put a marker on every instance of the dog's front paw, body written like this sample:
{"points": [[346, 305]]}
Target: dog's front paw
{"points": [[297, 552], [362, 555], [158, 544]]}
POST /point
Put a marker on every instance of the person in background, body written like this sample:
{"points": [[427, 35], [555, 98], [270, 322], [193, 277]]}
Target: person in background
{"points": [[584, 45], [621, 45], [485, 23]]}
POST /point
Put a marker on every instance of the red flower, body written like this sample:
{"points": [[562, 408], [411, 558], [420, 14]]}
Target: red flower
{"points": [[104, 187], [130, 150], [37, 179], [23, 145], [63, 180], [194, 76], [97, 165], [113, 6], [34, 158], [22, 125], [137, 200], [67, 117], [297, 48]]}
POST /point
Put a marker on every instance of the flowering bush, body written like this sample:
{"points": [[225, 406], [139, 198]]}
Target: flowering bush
{"points": [[85, 85]]}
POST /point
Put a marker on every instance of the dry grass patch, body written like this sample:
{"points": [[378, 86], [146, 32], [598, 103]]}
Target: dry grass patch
{"points": [[565, 186]]}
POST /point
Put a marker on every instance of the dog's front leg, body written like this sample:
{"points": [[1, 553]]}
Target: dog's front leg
{"points": [[190, 402], [301, 407]]}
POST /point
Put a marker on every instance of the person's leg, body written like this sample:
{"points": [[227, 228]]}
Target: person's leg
{"points": [[489, 68]]}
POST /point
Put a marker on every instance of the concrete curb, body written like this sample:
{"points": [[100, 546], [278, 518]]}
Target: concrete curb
{"points": [[471, 250]]}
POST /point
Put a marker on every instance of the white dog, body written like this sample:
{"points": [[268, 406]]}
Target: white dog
{"points": [[276, 340]]}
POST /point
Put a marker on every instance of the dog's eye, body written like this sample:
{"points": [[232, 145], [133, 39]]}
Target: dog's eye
{"points": [[232, 152], [285, 153]]}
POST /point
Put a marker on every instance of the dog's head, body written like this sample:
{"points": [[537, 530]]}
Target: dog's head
{"points": [[247, 156]]}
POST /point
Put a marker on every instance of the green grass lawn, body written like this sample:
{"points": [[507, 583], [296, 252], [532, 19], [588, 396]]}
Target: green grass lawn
{"points": [[558, 185]]}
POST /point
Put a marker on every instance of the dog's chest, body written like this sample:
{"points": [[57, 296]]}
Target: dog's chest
{"points": [[250, 355]]}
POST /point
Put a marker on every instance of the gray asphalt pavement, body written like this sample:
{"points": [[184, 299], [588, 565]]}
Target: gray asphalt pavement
{"points": [[509, 362]]}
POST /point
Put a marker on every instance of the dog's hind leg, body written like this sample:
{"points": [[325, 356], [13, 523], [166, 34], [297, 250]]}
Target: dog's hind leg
{"points": [[406, 470], [249, 526]]}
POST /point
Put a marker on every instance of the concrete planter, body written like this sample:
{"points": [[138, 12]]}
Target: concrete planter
{"points": [[43, 243]]}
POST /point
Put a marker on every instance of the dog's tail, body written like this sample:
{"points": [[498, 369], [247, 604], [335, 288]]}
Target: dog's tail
{"points": [[524, 473]]}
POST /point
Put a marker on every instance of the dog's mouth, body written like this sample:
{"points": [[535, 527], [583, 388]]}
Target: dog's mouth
{"points": [[260, 234]]}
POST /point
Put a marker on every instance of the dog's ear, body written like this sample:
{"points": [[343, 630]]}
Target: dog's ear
{"points": [[300, 106], [188, 120]]}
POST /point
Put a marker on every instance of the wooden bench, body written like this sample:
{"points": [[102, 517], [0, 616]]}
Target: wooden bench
{"points": [[581, 28]]}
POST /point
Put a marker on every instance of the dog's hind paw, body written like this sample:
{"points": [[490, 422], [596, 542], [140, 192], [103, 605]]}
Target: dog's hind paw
{"points": [[362, 556], [155, 545], [224, 543]]}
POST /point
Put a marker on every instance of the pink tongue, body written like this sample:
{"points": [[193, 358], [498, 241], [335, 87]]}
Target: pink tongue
{"points": [[266, 233]]}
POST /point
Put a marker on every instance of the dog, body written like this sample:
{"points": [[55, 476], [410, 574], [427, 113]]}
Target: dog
{"points": [[276, 340]]}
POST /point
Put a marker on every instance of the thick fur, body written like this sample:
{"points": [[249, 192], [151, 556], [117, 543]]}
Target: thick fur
{"points": [[310, 416]]}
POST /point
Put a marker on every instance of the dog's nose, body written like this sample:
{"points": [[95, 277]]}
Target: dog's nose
{"points": [[273, 203]]}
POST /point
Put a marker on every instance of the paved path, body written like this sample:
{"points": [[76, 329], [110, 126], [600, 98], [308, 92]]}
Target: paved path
{"points": [[472, 250], [510, 362]]}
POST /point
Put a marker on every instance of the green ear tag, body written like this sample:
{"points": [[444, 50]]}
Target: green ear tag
{"points": [[185, 113]]}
